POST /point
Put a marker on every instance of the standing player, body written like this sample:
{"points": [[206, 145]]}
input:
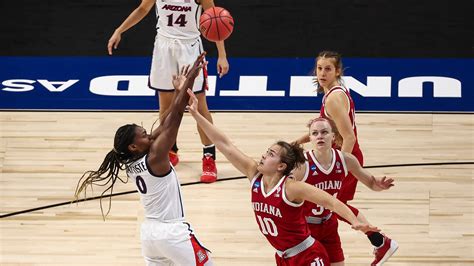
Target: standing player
{"points": [[167, 239], [325, 168], [278, 200], [337, 105], [178, 43]]}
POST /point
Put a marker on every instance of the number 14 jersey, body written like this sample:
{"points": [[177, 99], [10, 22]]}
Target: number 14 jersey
{"points": [[178, 19]]}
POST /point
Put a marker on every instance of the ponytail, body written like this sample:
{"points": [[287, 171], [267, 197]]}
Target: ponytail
{"points": [[293, 155]]}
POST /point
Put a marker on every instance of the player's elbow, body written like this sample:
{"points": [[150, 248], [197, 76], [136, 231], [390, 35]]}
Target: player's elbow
{"points": [[141, 12], [145, 7], [349, 139]]}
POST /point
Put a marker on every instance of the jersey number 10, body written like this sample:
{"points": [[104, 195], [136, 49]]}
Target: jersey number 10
{"points": [[267, 226]]}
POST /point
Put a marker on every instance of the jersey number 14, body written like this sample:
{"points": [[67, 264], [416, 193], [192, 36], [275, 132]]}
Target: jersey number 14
{"points": [[181, 20]]}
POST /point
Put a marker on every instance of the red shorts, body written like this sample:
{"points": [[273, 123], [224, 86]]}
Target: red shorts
{"points": [[349, 183], [327, 234], [311, 256]]}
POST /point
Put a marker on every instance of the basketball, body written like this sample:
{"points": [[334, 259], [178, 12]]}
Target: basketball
{"points": [[216, 24]]}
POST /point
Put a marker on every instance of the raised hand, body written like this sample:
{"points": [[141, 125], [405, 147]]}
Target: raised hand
{"points": [[197, 66], [384, 183], [193, 102], [178, 80]]}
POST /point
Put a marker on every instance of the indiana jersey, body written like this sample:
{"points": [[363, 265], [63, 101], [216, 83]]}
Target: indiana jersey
{"points": [[280, 221], [160, 195], [329, 180], [351, 112], [178, 19]]}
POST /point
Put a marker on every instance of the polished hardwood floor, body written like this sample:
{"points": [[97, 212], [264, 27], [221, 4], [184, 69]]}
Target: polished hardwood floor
{"points": [[43, 154]]}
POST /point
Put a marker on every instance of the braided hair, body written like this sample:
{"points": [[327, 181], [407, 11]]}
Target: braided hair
{"points": [[117, 159]]}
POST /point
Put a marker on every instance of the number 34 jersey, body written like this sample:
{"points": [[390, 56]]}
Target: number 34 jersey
{"points": [[178, 19], [329, 180], [280, 221], [160, 195]]}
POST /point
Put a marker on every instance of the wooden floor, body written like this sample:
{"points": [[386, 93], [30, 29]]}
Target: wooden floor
{"points": [[42, 155]]}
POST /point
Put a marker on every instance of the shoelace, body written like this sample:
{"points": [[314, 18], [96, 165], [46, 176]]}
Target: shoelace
{"points": [[208, 165]]}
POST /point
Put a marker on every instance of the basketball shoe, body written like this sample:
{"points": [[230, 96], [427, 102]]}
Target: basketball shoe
{"points": [[209, 170], [385, 251], [174, 159]]}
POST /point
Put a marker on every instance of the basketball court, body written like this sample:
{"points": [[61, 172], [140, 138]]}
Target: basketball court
{"points": [[43, 154]]}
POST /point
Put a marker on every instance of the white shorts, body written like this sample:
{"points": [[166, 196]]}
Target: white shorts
{"points": [[172, 244], [169, 55]]}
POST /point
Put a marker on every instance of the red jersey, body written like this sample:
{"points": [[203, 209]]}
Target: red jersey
{"points": [[281, 221], [351, 113], [329, 180]]}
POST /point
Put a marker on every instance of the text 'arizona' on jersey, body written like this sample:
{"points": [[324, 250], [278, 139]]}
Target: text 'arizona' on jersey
{"points": [[280, 220], [160, 195], [178, 19]]}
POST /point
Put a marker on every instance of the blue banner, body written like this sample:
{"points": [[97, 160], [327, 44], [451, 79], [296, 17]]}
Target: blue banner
{"points": [[269, 84]]}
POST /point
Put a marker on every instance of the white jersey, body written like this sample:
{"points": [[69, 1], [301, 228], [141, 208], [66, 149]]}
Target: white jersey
{"points": [[160, 195], [178, 19]]}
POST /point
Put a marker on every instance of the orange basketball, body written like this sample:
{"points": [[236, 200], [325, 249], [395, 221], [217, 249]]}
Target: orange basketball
{"points": [[216, 24]]}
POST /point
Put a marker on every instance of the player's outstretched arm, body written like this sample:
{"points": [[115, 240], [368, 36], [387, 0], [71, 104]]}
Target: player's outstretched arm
{"points": [[236, 157], [178, 81], [298, 191], [168, 130], [136, 16], [364, 176]]}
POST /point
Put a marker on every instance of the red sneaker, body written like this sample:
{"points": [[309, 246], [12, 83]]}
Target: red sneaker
{"points": [[174, 159], [209, 170], [384, 252]]}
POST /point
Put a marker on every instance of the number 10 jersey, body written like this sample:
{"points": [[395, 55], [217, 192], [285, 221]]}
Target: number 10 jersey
{"points": [[281, 221]]}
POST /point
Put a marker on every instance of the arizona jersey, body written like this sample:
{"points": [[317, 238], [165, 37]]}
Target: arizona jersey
{"points": [[351, 112], [280, 221], [178, 19], [160, 195], [329, 180]]}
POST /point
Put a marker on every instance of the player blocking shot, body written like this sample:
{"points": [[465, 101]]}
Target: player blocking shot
{"points": [[277, 199], [167, 239]]}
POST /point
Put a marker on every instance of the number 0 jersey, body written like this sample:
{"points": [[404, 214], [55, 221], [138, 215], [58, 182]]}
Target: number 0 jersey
{"points": [[160, 195], [178, 19], [280, 221]]}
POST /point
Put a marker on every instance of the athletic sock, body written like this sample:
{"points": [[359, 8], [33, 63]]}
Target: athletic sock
{"points": [[210, 149], [174, 148], [375, 238]]}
